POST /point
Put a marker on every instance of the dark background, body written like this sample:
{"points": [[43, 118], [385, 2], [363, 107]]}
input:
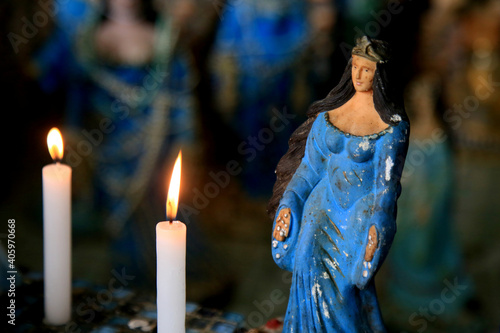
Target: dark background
{"points": [[235, 221]]}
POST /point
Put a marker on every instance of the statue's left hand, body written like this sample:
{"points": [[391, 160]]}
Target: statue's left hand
{"points": [[372, 244], [282, 224], [365, 272]]}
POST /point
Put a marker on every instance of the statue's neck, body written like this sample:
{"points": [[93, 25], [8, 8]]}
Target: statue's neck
{"points": [[363, 100]]}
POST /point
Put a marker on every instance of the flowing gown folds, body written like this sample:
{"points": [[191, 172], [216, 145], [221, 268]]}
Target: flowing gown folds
{"points": [[344, 185]]}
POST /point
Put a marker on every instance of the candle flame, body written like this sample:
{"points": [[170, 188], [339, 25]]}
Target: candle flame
{"points": [[174, 189], [55, 144]]}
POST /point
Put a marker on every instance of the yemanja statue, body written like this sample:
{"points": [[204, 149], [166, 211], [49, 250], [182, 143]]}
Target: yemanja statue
{"points": [[334, 201]]}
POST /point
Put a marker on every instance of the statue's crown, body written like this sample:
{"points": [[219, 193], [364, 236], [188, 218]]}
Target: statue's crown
{"points": [[372, 49]]}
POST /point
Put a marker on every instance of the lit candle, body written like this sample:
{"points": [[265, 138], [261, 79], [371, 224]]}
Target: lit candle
{"points": [[56, 179], [171, 263]]}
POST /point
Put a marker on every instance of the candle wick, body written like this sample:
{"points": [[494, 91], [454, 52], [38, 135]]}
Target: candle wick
{"points": [[170, 221]]}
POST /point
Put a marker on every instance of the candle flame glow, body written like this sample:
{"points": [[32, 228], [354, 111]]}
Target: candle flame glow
{"points": [[55, 144], [174, 189]]}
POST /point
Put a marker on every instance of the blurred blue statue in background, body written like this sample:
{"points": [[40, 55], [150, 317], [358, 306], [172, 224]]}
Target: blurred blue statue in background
{"points": [[129, 107], [260, 68]]}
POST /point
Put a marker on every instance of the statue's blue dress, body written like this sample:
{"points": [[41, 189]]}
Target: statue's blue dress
{"points": [[343, 186]]}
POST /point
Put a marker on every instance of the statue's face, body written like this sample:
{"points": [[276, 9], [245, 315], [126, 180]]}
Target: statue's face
{"points": [[363, 71]]}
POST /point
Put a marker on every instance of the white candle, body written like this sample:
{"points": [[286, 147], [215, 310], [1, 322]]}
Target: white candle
{"points": [[56, 179], [171, 276], [171, 264]]}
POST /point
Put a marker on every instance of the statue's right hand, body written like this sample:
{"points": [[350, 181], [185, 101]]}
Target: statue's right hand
{"points": [[282, 224]]}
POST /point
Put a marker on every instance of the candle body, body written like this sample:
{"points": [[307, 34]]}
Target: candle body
{"points": [[171, 276], [57, 242]]}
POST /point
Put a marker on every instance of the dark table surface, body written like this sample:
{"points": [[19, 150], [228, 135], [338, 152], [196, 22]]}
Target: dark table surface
{"points": [[123, 310]]}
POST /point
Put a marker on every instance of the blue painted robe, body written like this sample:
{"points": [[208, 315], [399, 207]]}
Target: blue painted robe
{"points": [[343, 186]]}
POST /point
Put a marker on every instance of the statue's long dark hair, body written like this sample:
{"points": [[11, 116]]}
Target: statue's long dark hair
{"points": [[388, 103]]}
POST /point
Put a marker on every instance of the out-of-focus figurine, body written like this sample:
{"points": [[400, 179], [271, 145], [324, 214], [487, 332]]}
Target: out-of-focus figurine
{"points": [[128, 87], [426, 254], [128, 84], [473, 115], [260, 74], [334, 201]]}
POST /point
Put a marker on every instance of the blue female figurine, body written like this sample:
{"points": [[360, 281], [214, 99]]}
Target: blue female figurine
{"points": [[334, 201]]}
